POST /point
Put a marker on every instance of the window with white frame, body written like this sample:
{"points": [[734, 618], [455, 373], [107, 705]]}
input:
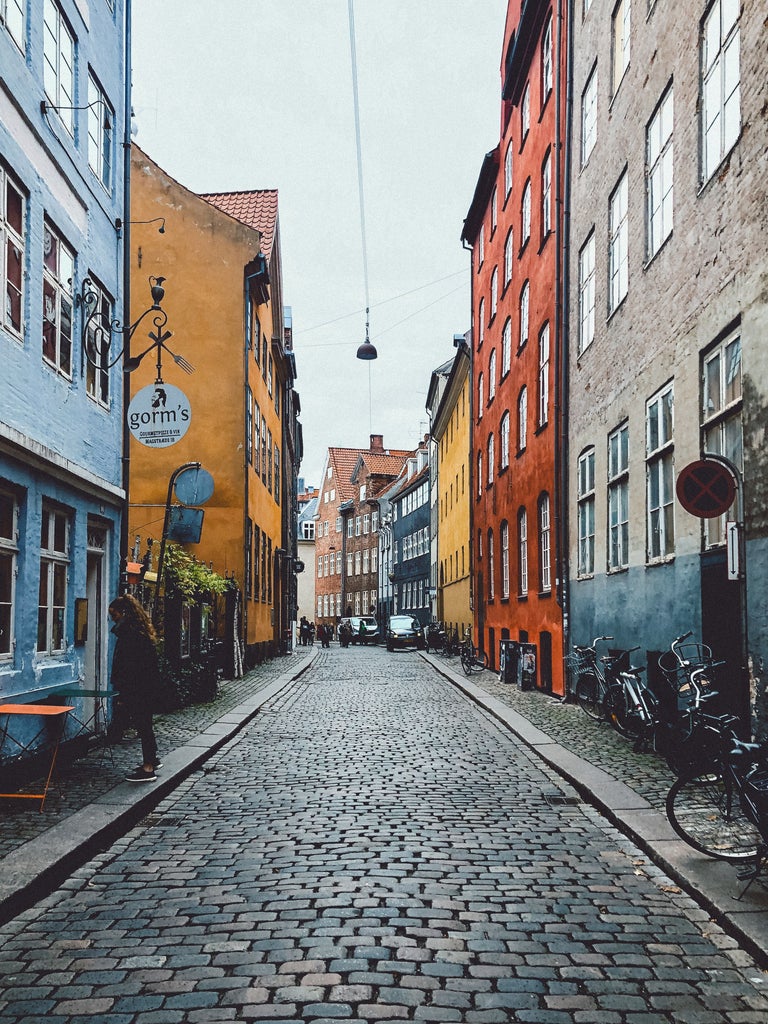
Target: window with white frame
{"points": [[506, 347], [350, 527], [504, 441], [97, 359], [509, 257], [349, 563], [504, 541], [479, 474], [338, 563], [720, 87], [491, 568], [12, 15], [522, 419], [618, 498], [546, 63], [525, 213], [721, 420], [58, 272], [9, 552], [319, 606], [366, 523], [357, 603], [374, 559], [494, 291], [525, 303], [12, 236], [586, 513], [319, 566], [522, 552], [494, 209], [491, 458], [508, 168], [366, 561], [54, 564], [307, 530], [357, 526], [589, 116], [480, 396], [358, 561], [587, 293], [59, 64], [492, 375], [545, 545], [101, 118], [620, 33], [546, 196], [543, 380], [659, 174], [660, 474], [618, 249], [374, 522], [481, 247], [525, 113]]}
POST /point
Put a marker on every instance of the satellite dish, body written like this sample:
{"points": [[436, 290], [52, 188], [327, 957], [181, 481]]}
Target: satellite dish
{"points": [[194, 486]]}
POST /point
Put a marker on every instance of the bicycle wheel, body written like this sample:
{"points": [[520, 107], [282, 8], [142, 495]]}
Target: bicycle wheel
{"points": [[706, 813], [590, 693], [621, 714], [466, 661], [479, 660]]}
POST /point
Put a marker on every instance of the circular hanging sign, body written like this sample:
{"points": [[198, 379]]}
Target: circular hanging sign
{"points": [[159, 415], [194, 486], [706, 489]]}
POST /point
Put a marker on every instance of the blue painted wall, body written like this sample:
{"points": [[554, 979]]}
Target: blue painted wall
{"points": [[412, 570], [57, 445]]}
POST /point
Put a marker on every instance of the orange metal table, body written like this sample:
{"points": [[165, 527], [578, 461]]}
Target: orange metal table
{"points": [[45, 711]]}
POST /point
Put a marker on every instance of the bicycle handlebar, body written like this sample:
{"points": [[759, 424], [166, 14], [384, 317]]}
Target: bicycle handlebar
{"points": [[679, 639]]}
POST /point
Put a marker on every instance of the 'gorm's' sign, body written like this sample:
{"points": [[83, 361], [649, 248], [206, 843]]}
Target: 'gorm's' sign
{"points": [[159, 415]]}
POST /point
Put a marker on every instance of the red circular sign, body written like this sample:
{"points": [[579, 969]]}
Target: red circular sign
{"points": [[706, 489]]}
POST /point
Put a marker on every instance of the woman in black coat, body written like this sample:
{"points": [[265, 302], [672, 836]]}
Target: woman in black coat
{"points": [[135, 679]]}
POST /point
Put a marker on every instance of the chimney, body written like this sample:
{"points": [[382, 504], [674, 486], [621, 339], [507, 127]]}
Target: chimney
{"points": [[377, 442]]}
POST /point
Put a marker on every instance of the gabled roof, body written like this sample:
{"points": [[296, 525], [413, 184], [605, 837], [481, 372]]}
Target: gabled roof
{"points": [[343, 462], [256, 209], [381, 463]]}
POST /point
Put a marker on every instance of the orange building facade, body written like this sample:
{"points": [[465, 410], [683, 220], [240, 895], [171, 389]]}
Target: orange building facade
{"points": [[514, 227], [220, 256]]}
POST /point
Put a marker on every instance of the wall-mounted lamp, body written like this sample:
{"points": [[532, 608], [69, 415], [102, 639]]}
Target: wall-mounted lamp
{"points": [[106, 123], [98, 330], [161, 230]]}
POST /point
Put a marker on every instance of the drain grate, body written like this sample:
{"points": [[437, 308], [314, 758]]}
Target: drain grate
{"points": [[559, 800]]}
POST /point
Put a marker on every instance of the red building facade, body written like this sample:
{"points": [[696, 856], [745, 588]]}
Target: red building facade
{"points": [[515, 229]]}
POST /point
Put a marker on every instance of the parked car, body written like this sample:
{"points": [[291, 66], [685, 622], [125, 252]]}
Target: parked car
{"points": [[404, 631], [369, 635]]}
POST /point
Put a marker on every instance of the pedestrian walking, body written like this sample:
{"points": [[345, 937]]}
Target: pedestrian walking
{"points": [[135, 679], [312, 634], [304, 631]]}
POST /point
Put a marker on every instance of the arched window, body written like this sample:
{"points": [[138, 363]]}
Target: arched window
{"points": [[545, 545], [543, 389], [505, 559], [509, 257], [525, 302], [525, 213], [480, 396], [506, 347], [492, 375], [494, 291], [504, 441], [481, 324], [546, 63], [491, 568], [491, 458], [508, 164], [479, 474], [522, 419], [522, 545]]}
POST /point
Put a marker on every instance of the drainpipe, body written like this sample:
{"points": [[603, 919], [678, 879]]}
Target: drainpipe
{"points": [[562, 452], [470, 474], [126, 396]]}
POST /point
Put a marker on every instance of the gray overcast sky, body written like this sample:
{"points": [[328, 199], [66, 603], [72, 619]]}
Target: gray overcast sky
{"points": [[245, 94]]}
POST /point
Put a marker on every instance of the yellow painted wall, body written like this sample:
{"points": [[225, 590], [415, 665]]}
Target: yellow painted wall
{"points": [[202, 254], [453, 516]]}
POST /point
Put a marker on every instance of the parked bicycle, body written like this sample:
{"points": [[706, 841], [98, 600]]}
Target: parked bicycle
{"points": [[472, 658], [596, 679], [720, 808]]}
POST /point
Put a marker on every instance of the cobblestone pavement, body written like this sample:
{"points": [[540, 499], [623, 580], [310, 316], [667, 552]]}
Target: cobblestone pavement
{"points": [[373, 848], [88, 778]]}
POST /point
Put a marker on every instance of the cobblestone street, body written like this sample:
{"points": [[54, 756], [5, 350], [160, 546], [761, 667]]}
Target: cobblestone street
{"points": [[373, 847]]}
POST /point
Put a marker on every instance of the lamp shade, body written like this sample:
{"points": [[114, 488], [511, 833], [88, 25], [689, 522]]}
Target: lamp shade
{"points": [[367, 351]]}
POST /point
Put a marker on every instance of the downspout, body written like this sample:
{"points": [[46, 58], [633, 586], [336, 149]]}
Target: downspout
{"points": [[562, 451], [126, 396], [470, 474]]}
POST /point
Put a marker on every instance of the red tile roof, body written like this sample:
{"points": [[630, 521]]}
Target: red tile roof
{"points": [[257, 209]]}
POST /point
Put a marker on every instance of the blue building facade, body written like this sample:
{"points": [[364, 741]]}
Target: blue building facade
{"points": [[410, 526], [62, 127]]}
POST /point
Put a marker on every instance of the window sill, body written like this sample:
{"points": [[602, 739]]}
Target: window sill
{"points": [[522, 598], [545, 594], [655, 562], [617, 570]]}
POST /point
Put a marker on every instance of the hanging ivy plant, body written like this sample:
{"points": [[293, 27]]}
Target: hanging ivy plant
{"points": [[190, 579]]}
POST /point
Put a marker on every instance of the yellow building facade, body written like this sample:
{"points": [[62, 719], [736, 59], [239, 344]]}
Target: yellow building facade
{"points": [[450, 431], [224, 307]]}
